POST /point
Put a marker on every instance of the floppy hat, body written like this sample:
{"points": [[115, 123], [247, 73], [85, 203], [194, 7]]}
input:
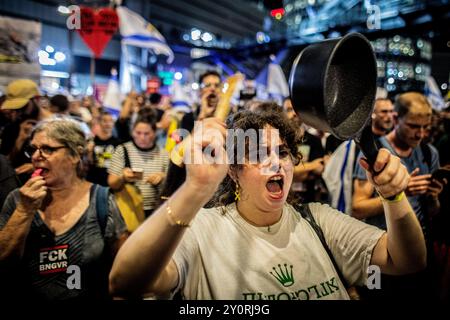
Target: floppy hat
{"points": [[19, 92]]}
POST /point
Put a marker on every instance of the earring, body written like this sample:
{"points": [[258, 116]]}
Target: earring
{"points": [[237, 193]]}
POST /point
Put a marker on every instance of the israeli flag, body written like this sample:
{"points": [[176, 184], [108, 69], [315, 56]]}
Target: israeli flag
{"points": [[180, 98], [433, 94], [113, 96], [136, 31], [277, 86]]}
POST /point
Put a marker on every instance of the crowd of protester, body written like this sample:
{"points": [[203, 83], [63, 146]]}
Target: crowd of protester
{"points": [[58, 153]]}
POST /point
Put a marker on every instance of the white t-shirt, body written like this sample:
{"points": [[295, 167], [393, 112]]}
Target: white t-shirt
{"points": [[224, 257]]}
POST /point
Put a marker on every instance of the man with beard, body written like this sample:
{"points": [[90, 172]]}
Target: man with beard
{"points": [[382, 117], [210, 87], [411, 122], [21, 110]]}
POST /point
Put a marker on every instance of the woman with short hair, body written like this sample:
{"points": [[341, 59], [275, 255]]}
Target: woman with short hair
{"points": [[58, 235]]}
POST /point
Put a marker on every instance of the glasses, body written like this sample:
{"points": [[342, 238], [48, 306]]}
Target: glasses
{"points": [[265, 157], [45, 151]]}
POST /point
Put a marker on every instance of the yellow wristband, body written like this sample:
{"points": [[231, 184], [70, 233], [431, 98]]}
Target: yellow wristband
{"points": [[397, 198], [172, 220]]}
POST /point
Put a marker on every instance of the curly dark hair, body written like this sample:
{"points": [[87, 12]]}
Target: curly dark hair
{"points": [[246, 120]]}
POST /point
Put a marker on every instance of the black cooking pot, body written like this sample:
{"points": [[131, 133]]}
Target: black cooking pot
{"points": [[333, 86]]}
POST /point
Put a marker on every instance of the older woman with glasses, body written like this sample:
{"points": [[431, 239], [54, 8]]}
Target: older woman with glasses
{"points": [[255, 243], [58, 232]]}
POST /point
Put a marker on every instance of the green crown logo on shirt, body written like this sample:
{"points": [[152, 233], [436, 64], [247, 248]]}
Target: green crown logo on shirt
{"points": [[285, 277]]}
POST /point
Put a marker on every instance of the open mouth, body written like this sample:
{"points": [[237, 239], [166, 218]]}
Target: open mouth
{"points": [[43, 172], [275, 186]]}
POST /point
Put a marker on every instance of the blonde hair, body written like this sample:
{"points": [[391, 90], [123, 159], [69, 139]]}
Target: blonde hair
{"points": [[412, 102]]}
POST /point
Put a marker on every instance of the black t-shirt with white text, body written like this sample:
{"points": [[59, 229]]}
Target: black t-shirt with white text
{"points": [[73, 265], [103, 152]]}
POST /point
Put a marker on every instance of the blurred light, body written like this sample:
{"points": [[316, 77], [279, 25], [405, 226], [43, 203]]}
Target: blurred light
{"points": [[260, 37], [391, 87], [206, 37], [49, 49], [186, 37], [444, 86], [391, 80], [334, 34], [55, 85], [277, 13], [311, 2], [195, 34], [178, 76], [197, 53], [63, 10], [153, 59], [225, 87], [54, 74], [45, 61], [266, 38], [400, 74], [59, 56], [194, 86], [43, 54]]}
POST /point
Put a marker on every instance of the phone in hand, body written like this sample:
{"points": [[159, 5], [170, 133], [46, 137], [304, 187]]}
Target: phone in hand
{"points": [[441, 174], [138, 173]]}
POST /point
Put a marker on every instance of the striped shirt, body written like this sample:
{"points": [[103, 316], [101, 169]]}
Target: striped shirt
{"points": [[152, 161]]}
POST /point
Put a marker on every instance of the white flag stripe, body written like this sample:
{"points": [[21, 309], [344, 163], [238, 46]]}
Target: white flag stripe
{"points": [[136, 31], [433, 94], [277, 85]]}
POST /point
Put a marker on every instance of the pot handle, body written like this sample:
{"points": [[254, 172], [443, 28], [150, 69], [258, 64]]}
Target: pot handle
{"points": [[368, 145]]}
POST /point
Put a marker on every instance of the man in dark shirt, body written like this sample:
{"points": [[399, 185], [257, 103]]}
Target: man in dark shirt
{"points": [[210, 86], [101, 150]]}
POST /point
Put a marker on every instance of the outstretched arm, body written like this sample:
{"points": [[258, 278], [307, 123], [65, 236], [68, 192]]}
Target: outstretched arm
{"points": [[402, 250], [144, 263]]}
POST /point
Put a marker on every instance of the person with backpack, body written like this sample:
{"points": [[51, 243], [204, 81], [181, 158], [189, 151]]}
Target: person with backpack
{"points": [[254, 243], [58, 232]]}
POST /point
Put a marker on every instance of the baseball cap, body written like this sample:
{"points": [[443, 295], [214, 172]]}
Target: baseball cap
{"points": [[19, 92]]}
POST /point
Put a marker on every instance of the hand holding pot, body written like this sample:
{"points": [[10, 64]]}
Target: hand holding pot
{"points": [[388, 175]]}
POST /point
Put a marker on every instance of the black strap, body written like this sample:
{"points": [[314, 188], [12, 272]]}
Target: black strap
{"points": [[126, 157], [426, 152], [305, 212], [101, 206]]}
